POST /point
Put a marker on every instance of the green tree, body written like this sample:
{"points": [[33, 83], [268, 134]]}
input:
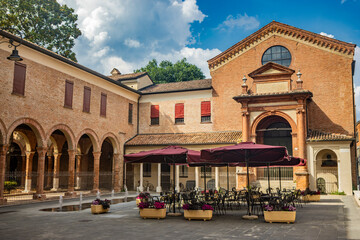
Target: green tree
{"points": [[44, 22], [166, 71]]}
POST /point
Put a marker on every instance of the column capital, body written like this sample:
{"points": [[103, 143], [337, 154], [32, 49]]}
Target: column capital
{"points": [[4, 148], [96, 154], [29, 154], [41, 150], [71, 152]]}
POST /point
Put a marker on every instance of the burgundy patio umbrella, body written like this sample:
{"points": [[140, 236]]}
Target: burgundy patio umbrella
{"points": [[171, 155], [248, 153]]}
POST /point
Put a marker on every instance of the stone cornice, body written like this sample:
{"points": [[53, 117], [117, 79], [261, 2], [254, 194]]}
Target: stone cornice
{"points": [[276, 28]]}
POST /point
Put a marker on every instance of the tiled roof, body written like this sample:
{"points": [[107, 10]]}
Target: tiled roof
{"points": [[178, 86], [129, 76], [296, 92], [227, 137], [318, 136]]}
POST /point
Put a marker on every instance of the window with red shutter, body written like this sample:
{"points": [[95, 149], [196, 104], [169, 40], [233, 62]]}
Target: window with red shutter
{"points": [[69, 87], [179, 113], [87, 96], [154, 115], [103, 105], [19, 79], [206, 111]]}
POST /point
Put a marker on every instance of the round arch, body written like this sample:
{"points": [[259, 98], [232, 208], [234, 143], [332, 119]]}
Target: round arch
{"points": [[69, 134], [52, 142], [2, 133], [264, 115], [93, 137], [114, 141], [35, 127], [22, 138]]}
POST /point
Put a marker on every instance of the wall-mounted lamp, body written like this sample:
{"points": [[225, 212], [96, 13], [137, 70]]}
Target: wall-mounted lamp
{"points": [[15, 53]]}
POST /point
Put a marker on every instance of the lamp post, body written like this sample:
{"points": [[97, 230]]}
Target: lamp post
{"points": [[15, 53]]}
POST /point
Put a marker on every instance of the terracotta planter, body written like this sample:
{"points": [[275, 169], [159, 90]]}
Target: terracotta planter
{"points": [[96, 209], [198, 214], [280, 216], [311, 198], [153, 213]]}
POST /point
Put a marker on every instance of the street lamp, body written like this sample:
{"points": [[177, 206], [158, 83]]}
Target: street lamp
{"points": [[15, 53]]}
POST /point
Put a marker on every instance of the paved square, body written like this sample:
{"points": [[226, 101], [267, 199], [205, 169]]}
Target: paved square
{"points": [[334, 217]]}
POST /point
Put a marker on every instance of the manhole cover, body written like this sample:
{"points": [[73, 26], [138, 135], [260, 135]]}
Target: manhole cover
{"points": [[85, 220]]}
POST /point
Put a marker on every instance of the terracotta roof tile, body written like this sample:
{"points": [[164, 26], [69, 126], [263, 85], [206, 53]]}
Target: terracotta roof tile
{"points": [[317, 136], [228, 137], [178, 86], [273, 94], [129, 76]]}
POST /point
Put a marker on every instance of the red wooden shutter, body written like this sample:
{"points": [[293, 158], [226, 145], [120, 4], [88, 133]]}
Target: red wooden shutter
{"points": [[87, 95], [205, 109], [69, 87], [19, 78], [103, 105], [179, 110], [154, 111]]}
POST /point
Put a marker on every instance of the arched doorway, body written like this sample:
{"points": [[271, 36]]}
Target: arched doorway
{"points": [[106, 178], [326, 171], [84, 166], [275, 131]]}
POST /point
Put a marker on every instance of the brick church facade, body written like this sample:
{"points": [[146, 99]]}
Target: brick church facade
{"points": [[64, 126]]}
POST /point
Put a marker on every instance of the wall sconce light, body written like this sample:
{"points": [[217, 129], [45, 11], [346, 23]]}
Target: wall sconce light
{"points": [[15, 53]]}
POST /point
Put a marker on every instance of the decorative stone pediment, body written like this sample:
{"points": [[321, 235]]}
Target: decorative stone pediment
{"points": [[272, 77]]}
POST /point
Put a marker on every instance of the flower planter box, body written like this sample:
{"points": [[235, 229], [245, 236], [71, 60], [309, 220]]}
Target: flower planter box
{"points": [[280, 216], [153, 213], [311, 198], [198, 214], [96, 209]]}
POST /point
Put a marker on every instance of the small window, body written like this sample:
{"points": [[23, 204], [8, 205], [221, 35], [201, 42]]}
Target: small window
{"points": [[130, 117], [206, 111], [19, 79], [146, 169], [154, 115], [103, 105], [179, 113], [86, 103], [277, 54], [69, 88], [183, 171]]}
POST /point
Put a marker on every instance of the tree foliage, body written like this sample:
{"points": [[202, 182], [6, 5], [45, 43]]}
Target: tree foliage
{"points": [[44, 22], [166, 71]]}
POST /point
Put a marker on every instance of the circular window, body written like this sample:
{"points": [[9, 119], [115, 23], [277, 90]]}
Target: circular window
{"points": [[277, 54]]}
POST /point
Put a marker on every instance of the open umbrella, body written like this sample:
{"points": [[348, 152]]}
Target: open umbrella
{"points": [[171, 155], [248, 153]]}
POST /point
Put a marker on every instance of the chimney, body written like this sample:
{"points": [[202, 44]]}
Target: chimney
{"points": [[115, 72]]}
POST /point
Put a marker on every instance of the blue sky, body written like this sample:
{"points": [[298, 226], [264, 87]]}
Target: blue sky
{"points": [[126, 34]]}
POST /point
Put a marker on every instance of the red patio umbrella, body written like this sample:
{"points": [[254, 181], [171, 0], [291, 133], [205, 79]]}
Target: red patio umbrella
{"points": [[171, 155], [245, 152]]}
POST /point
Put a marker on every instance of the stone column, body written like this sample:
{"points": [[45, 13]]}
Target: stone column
{"points": [[23, 170], [57, 157], [3, 152], [96, 171], [117, 175], [245, 126], [177, 180], [28, 171], [158, 188], [301, 173], [340, 188], [41, 165], [49, 170], [78, 171], [197, 177], [71, 180], [217, 178], [141, 188]]}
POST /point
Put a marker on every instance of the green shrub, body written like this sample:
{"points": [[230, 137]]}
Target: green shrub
{"points": [[338, 193], [9, 185]]}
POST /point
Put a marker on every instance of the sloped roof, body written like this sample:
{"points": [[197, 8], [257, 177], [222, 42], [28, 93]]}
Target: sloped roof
{"points": [[178, 86], [227, 137], [129, 76], [319, 136], [287, 30]]}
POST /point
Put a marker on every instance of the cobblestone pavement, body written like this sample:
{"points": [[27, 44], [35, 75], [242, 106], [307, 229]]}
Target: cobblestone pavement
{"points": [[334, 217]]}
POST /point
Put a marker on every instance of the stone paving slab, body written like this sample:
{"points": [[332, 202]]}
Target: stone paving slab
{"points": [[333, 217]]}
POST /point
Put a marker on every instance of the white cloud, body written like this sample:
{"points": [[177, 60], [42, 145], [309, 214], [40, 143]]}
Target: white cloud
{"points": [[343, 1], [327, 35], [132, 43], [240, 21], [109, 63], [190, 10]]}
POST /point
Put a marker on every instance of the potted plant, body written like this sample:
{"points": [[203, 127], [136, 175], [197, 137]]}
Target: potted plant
{"points": [[142, 197], [279, 213], [310, 196], [198, 210], [152, 210], [100, 206]]}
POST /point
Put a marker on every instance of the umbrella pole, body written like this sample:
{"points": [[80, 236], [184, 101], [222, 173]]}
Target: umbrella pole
{"points": [[205, 179], [227, 176], [174, 188], [248, 181], [280, 178], [268, 171]]}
